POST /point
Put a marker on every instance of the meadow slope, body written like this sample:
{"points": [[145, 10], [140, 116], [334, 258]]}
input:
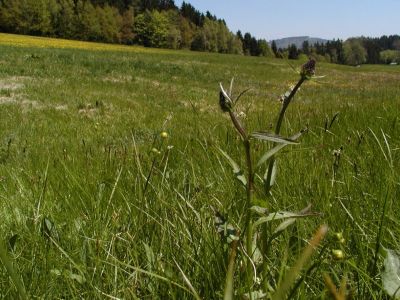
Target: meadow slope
{"points": [[77, 130]]}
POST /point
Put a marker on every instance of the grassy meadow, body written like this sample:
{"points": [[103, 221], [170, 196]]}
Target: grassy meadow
{"points": [[95, 204]]}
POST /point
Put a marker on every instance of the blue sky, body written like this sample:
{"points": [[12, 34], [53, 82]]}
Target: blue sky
{"points": [[272, 19]]}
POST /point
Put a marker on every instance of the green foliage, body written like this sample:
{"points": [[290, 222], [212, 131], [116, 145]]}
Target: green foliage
{"points": [[127, 26], [354, 52], [151, 29], [27, 16], [87, 21], [390, 56], [88, 164], [65, 23]]}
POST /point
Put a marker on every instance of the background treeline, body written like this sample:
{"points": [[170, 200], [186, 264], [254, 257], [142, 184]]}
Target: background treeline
{"points": [[152, 23], [353, 51]]}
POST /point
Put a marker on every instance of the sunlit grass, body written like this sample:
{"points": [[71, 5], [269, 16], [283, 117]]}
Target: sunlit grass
{"points": [[77, 129]]}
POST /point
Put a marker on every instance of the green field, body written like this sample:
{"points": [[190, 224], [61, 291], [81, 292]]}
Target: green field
{"points": [[77, 129]]}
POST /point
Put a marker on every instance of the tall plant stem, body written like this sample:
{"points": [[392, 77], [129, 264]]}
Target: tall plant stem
{"points": [[249, 189], [285, 105]]}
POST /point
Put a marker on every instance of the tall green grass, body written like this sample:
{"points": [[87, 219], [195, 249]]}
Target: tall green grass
{"points": [[77, 129]]}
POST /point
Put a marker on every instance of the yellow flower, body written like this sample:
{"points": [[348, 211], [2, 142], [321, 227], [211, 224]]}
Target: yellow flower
{"points": [[164, 134], [337, 254]]}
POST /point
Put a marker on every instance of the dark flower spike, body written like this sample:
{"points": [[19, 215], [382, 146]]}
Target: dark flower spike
{"points": [[308, 69]]}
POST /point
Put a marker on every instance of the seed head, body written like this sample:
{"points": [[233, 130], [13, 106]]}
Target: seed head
{"points": [[308, 69]]}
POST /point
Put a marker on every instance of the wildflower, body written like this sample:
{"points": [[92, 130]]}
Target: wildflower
{"points": [[337, 254], [164, 134], [337, 152], [339, 235], [340, 238], [308, 69]]}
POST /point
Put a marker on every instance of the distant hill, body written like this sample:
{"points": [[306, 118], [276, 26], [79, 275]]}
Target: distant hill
{"points": [[298, 41]]}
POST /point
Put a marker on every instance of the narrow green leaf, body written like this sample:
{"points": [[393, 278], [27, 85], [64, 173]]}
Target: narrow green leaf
{"points": [[285, 224], [280, 215], [266, 136], [12, 241], [277, 148], [6, 261], [391, 274], [262, 211], [293, 272], [236, 169], [273, 174], [267, 155]]}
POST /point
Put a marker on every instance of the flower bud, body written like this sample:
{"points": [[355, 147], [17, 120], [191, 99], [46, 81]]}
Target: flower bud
{"points": [[337, 254], [308, 69], [164, 134], [224, 103]]}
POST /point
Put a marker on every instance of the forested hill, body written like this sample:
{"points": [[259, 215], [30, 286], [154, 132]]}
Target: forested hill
{"points": [[152, 23]]}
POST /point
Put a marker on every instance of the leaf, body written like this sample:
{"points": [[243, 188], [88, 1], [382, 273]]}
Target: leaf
{"points": [[391, 274], [333, 120], [12, 241], [273, 174], [236, 169], [227, 231], [267, 155], [80, 279], [285, 224], [280, 215], [68, 274], [149, 254], [266, 136], [293, 272], [259, 210], [49, 229]]}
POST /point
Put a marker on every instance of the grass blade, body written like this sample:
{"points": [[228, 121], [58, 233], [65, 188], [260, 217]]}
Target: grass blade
{"points": [[12, 272], [303, 259], [267, 155]]}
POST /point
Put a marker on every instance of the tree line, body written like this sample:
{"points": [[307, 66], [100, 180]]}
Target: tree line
{"points": [[151, 23], [353, 51]]}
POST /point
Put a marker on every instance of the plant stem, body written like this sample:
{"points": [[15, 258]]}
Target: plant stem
{"points": [[250, 190], [228, 293], [248, 228], [285, 105], [268, 180]]}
